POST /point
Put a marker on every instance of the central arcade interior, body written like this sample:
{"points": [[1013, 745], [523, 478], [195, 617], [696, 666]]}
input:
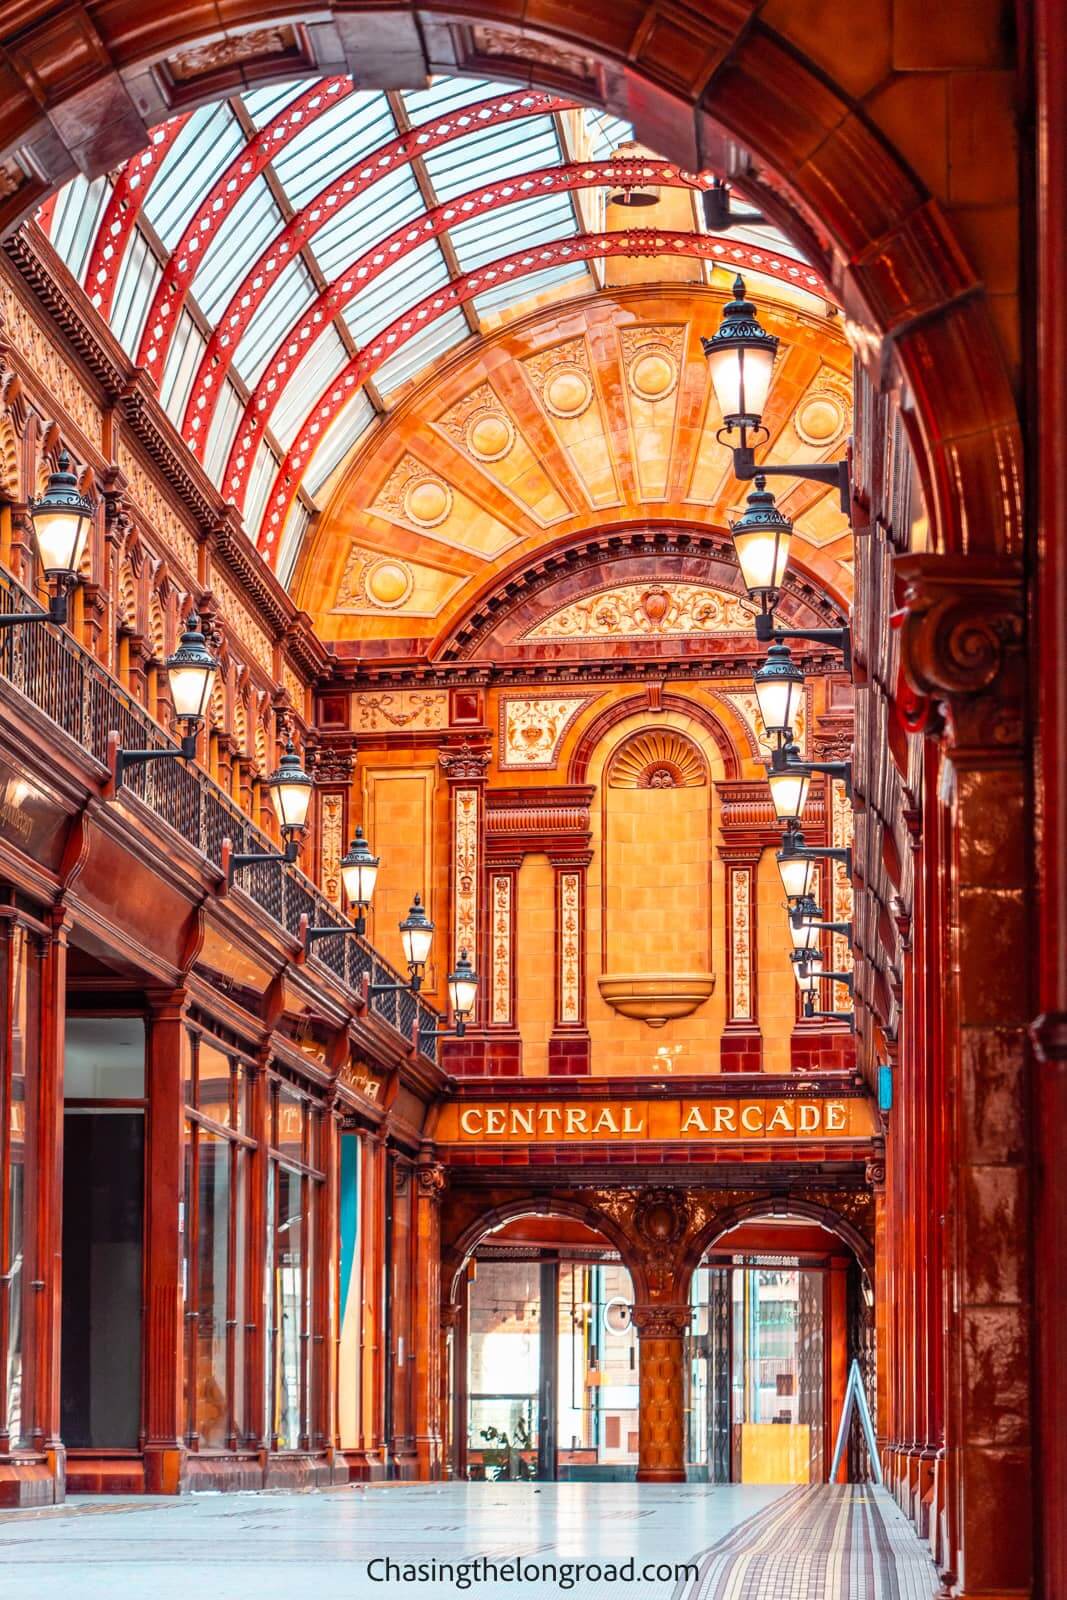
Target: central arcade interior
{"points": [[562, 1158]]}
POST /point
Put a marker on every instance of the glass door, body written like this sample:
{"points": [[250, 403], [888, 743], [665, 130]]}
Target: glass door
{"points": [[504, 1414], [757, 1394]]}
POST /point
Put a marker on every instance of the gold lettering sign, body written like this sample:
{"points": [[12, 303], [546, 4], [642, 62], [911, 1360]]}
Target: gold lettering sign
{"points": [[505, 1122]]}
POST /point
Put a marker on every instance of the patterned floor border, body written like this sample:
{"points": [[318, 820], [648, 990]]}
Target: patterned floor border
{"points": [[823, 1542]]}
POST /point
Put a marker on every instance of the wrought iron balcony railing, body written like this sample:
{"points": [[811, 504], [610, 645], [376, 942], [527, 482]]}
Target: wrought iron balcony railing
{"points": [[48, 666]]}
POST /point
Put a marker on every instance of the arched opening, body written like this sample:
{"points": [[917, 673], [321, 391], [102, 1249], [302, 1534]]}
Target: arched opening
{"points": [[782, 1304], [544, 1358]]}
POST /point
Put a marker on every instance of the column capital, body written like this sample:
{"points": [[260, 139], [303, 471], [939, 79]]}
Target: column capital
{"points": [[432, 1180], [667, 1321], [466, 762]]}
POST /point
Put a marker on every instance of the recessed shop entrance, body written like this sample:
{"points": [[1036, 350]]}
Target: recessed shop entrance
{"points": [[547, 1372], [778, 1312]]}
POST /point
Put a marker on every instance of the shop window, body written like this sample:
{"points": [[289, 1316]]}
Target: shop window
{"points": [[103, 1231], [218, 1176], [294, 1210], [19, 1045]]}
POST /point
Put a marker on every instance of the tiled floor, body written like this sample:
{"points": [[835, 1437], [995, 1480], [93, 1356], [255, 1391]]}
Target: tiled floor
{"points": [[744, 1543]]}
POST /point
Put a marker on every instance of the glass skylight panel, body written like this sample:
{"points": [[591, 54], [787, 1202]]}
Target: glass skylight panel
{"points": [[398, 290], [446, 95], [266, 103], [348, 426], [296, 527], [422, 350], [79, 207], [366, 220], [492, 154], [264, 469], [139, 274], [248, 229], [183, 358], [338, 139], [606, 133], [511, 228], [201, 152], [292, 293], [222, 431], [309, 378], [511, 290]]}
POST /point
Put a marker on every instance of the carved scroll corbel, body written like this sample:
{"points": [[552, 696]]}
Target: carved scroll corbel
{"points": [[961, 643]]}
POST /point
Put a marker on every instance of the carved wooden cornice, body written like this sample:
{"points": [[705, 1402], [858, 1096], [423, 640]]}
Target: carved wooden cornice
{"points": [[961, 643]]}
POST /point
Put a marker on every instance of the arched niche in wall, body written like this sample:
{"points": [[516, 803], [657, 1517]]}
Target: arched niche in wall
{"points": [[655, 961]]}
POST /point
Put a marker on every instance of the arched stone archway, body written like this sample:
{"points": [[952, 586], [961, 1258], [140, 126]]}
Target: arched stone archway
{"points": [[459, 1251], [861, 1246]]}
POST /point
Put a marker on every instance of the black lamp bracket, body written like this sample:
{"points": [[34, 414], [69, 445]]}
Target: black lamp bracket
{"points": [[232, 862], [832, 769], [818, 852], [834, 473], [57, 612], [836, 638], [843, 928], [831, 1016]]}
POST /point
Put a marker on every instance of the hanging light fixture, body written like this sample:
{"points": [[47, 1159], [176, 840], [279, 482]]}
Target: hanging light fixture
{"points": [[779, 686], [290, 793], [359, 873], [462, 992], [416, 935], [789, 784], [790, 777], [805, 919], [191, 673], [741, 357], [625, 191], [797, 873], [807, 967], [61, 518], [762, 536], [289, 787]]}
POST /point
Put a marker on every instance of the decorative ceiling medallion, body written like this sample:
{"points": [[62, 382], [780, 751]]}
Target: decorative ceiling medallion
{"points": [[490, 435], [662, 610], [503, 44], [652, 357], [658, 759], [821, 418], [387, 583], [427, 501], [567, 391], [532, 728]]}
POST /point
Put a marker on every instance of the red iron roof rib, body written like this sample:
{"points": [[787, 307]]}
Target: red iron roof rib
{"points": [[314, 320], [214, 209], [327, 204], [583, 247], [124, 205]]}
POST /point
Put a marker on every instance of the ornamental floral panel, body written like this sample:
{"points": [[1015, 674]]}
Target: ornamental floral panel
{"points": [[532, 728], [501, 886], [391, 709], [841, 824], [570, 947], [740, 944], [43, 355], [160, 513], [465, 872], [331, 849], [647, 610]]}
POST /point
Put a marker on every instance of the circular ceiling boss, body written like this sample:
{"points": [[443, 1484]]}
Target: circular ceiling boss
{"points": [[427, 501], [490, 435], [653, 374], [821, 419], [568, 391], [387, 583]]}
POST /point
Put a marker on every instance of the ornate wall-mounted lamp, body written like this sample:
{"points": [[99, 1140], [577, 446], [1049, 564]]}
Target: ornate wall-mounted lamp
{"points": [[61, 521], [741, 356], [191, 672], [290, 793]]}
